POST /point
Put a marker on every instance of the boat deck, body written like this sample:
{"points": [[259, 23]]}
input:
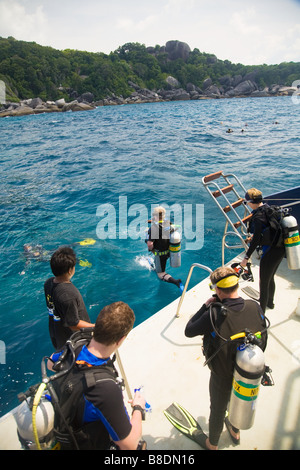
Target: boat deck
{"points": [[158, 356]]}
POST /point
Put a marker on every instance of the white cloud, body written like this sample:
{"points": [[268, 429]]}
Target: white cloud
{"points": [[262, 31], [128, 24], [243, 22], [177, 6], [17, 21]]}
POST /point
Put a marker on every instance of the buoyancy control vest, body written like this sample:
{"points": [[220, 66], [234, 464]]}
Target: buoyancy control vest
{"points": [[226, 321], [159, 233], [271, 218], [69, 429]]}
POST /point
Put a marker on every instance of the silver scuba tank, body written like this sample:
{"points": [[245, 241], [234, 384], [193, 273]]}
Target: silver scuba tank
{"points": [[291, 241], [249, 368], [44, 424], [175, 249]]}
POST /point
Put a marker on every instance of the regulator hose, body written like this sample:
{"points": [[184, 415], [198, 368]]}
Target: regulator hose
{"points": [[36, 402]]}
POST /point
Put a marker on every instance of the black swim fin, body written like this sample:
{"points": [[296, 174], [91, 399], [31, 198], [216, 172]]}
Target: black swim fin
{"points": [[251, 292], [185, 423]]}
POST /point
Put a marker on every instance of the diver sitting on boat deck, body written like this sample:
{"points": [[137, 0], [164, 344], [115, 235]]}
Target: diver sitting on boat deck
{"points": [[158, 242], [230, 314], [263, 237], [94, 407], [66, 308]]}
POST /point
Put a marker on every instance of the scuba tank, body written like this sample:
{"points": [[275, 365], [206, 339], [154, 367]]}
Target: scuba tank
{"points": [[291, 241], [248, 371], [35, 416], [175, 249], [35, 422]]}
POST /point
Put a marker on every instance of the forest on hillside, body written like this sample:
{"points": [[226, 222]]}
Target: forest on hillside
{"points": [[30, 70]]}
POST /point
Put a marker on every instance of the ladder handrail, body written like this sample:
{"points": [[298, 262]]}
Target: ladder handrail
{"points": [[228, 203], [208, 181], [194, 265], [243, 245]]}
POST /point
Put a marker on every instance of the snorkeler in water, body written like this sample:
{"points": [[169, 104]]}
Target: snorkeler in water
{"points": [[36, 252]]}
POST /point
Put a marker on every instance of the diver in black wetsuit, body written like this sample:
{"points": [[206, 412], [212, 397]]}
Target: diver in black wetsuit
{"points": [[232, 314], [158, 242], [272, 255]]}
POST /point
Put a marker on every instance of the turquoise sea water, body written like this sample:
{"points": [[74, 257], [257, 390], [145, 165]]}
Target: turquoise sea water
{"points": [[57, 170]]}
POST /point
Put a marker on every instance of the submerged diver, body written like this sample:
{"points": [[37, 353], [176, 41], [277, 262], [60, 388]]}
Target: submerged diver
{"points": [[263, 237], [231, 314], [33, 252], [158, 242]]}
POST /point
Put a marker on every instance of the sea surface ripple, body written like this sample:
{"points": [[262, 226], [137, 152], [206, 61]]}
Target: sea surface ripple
{"points": [[58, 169]]}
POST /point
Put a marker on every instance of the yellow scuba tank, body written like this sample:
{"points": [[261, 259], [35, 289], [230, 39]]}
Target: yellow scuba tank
{"points": [[175, 249], [291, 241], [249, 369]]}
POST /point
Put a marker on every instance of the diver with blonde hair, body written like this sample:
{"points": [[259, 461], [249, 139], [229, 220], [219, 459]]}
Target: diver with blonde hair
{"points": [[158, 241], [262, 236]]}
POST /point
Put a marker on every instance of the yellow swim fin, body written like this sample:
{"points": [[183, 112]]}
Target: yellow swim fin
{"points": [[85, 263], [87, 241]]}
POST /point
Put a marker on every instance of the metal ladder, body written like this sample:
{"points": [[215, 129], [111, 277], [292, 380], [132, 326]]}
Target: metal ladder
{"points": [[231, 200]]}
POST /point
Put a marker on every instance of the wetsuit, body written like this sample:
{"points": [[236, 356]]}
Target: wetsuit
{"points": [[66, 308], [271, 256], [240, 314], [159, 234], [100, 414]]}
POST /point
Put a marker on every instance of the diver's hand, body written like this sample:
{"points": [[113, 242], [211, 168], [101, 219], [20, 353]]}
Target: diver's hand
{"points": [[138, 399], [150, 246]]}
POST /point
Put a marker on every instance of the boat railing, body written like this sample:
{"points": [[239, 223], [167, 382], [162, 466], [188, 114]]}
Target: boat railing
{"points": [[194, 265], [225, 245]]}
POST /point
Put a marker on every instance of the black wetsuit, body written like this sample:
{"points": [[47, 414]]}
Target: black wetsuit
{"points": [[271, 256], [240, 314], [159, 234]]}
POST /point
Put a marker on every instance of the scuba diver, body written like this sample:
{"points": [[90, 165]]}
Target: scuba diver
{"points": [[264, 236], [83, 407], [158, 242], [222, 315], [32, 252]]}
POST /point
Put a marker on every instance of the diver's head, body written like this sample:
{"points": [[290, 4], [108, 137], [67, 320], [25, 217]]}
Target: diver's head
{"points": [[253, 196], [225, 279], [158, 214], [113, 323]]}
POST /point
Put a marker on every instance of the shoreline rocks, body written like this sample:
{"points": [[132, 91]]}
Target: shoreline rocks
{"points": [[231, 87], [37, 106]]}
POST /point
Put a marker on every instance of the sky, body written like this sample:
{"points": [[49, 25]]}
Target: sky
{"points": [[250, 33]]}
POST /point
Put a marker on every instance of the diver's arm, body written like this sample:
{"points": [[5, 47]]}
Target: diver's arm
{"points": [[255, 241], [150, 245], [132, 440], [194, 326], [81, 324]]}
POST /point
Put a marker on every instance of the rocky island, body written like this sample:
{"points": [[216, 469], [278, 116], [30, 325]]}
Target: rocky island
{"points": [[226, 86]]}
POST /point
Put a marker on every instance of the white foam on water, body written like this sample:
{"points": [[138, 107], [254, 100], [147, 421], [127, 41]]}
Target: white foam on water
{"points": [[145, 262]]}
